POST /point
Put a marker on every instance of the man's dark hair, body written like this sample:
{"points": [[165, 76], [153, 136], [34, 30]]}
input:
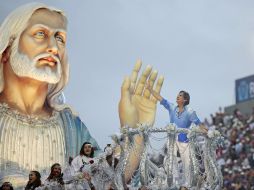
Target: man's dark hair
{"points": [[186, 97], [82, 152], [36, 183]]}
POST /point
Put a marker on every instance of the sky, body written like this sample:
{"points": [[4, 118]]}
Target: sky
{"points": [[198, 46]]}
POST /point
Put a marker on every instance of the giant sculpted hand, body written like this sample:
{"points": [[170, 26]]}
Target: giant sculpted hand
{"points": [[136, 104]]}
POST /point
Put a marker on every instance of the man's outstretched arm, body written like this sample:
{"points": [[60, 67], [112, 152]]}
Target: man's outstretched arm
{"points": [[153, 92]]}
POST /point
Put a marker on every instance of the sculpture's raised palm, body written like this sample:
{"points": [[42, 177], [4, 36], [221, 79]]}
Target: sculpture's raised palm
{"points": [[136, 104]]}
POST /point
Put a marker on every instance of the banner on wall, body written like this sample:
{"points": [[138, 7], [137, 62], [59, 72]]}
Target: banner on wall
{"points": [[244, 89]]}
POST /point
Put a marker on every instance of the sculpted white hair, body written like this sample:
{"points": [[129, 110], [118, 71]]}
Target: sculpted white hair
{"points": [[11, 30]]}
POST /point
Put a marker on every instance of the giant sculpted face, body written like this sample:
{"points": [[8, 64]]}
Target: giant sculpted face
{"points": [[41, 47], [33, 71]]}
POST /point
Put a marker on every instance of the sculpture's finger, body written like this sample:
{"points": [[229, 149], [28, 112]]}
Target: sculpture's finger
{"points": [[125, 89], [158, 88], [141, 83], [151, 81], [134, 75]]}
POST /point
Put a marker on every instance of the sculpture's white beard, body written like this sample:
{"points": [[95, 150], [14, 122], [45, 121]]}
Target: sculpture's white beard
{"points": [[24, 67]]}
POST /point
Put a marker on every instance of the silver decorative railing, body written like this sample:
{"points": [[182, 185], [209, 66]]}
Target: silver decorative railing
{"points": [[205, 172]]}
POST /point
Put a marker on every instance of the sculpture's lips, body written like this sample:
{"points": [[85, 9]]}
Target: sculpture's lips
{"points": [[49, 60]]}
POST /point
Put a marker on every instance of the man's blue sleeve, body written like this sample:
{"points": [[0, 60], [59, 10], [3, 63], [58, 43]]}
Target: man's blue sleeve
{"points": [[166, 104], [194, 118]]}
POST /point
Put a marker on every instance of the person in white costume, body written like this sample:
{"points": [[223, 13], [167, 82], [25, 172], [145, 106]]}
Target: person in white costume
{"points": [[83, 163]]}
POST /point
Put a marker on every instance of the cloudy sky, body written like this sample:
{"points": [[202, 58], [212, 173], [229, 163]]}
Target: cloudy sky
{"points": [[200, 46]]}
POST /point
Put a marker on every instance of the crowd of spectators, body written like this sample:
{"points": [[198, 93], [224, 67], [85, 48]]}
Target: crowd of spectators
{"points": [[236, 157]]}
